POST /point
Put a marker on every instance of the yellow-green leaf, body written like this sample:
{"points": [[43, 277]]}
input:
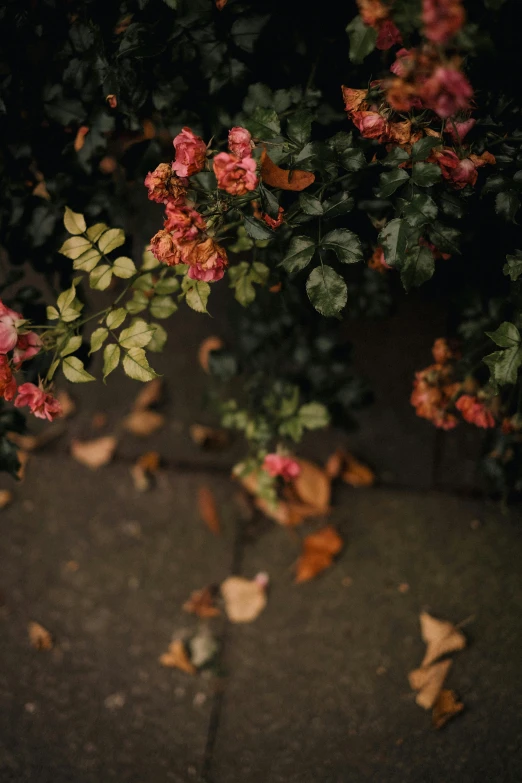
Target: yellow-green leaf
{"points": [[138, 303], [75, 246], [159, 338], [166, 285], [98, 337], [111, 239], [100, 277], [74, 222], [162, 306], [66, 298], [111, 358], [72, 345], [124, 267], [197, 296], [136, 366], [52, 313], [74, 370], [52, 369], [88, 260], [116, 318], [137, 335], [149, 261], [95, 232]]}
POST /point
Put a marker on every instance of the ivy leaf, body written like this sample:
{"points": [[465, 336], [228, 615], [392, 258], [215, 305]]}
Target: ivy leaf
{"points": [[197, 296], [74, 222], [337, 205], [75, 247], [162, 306], [391, 180], [504, 365], [74, 370], [111, 358], [100, 277], [299, 127], [136, 366], [264, 123], [137, 335], [111, 239], [256, 229], [426, 174], [124, 267], [326, 290], [362, 39], [98, 337], [310, 204], [417, 267], [345, 244], [421, 209], [300, 253], [507, 205], [506, 336], [513, 268], [422, 148], [393, 239], [116, 317], [313, 416]]}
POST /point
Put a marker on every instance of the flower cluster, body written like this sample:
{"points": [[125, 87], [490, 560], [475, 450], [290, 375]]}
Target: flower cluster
{"points": [[434, 388], [279, 465], [375, 14], [24, 344], [460, 171], [236, 170], [474, 411]]}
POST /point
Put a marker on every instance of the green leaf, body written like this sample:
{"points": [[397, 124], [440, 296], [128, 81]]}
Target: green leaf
{"points": [[244, 290], [507, 205], [390, 181], [136, 366], [137, 335], [98, 337], [299, 254], [256, 229], [111, 358], [74, 370], [264, 123], [72, 345], [506, 336], [88, 260], [95, 232], [245, 30], [259, 273], [166, 285], [74, 222], [52, 369], [444, 237], [74, 247], [451, 204], [52, 313], [504, 365], [299, 127], [66, 298], [269, 203], [138, 303], [393, 239], [327, 291], [291, 428], [362, 39], [116, 317], [162, 306], [124, 267], [159, 338], [345, 244], [111, 239], [396, 156], [310, 204], [352, 159], [197, 296], [100, 277], [421, 209], [417, 267], [426, 174], [314, 415], [513, 268], [337, 205], [422, 148]]}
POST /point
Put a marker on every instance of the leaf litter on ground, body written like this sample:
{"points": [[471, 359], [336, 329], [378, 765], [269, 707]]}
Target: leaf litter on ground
{"points": [[207, 508], [318, 552], [202, 603], [143, 423], [39, 637], [151, 394], [96, 452], [209, 344], [143, 470], [244, 599]]}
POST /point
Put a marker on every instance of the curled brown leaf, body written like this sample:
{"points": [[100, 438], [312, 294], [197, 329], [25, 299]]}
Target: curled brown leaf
{"points": [[285, 179]]}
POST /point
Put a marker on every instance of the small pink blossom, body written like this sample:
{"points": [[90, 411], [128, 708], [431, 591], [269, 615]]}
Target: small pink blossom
{"points": [[474, 411], [183, 221], [240, 142], [165, 248], [190, 153], [458, 130], [371, 124], [28, 345], [7, 382], [388, 35], [8, 332], [277, 465], [41, 404], [163, 185], [442, 19], [207, 260], [403, 59], [235, 175], [447, 91]]}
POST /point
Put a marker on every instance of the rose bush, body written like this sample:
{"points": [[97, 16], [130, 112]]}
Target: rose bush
{"points": [[307, 212]]}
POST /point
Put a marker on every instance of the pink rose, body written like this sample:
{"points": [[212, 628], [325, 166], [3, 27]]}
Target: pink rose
{"points": [[277, 465], [163, 185], [8, 333], [240, 142], [165, 248], [447, 91], [190, 153], [183, 221], [7, 382], [41, 404], [442, 19], [460, 172], [474, 411], [403, 60], [28, 345], [458, 130], [236, 176], [388, 35], [371, 124], [207, 260]]}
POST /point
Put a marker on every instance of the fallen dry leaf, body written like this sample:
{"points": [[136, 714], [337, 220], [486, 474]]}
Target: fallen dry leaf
{"points": [[6, 498], [317, 553], [209, 438], [94, 453], [441, 637], [201, 602], [208, 510], [41, 191], [67, 403], [150, 394], [39, 637], [445, 708], [176, 658], [143, 422], [356, 474], [208, 345], [23, 459], [312, 486], [143, 468], [79, 141], [244, 599], [284, 179], [428, 681], [334, 464]]}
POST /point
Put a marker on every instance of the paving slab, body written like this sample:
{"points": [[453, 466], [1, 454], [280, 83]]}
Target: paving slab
{"points": [[106, 571], [317, 687]]}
